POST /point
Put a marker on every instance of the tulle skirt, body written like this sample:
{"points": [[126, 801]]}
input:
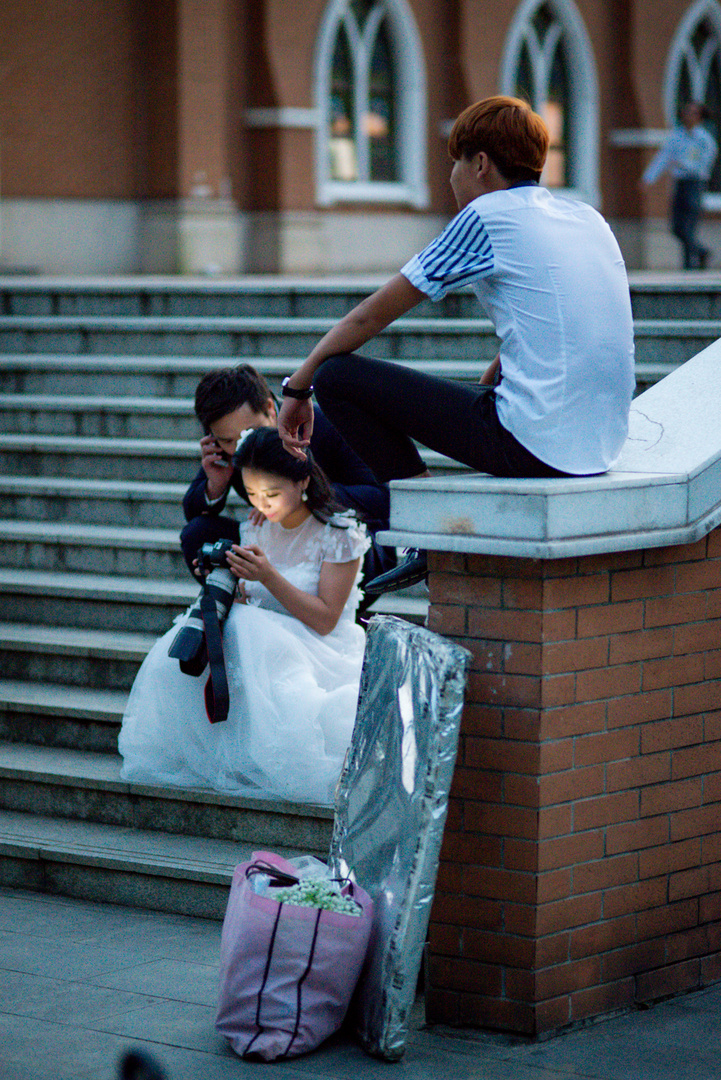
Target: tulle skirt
{"points": [[293, 699]]}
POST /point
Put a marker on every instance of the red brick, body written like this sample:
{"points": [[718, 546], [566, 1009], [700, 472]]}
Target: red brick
{"points": [[608, 682], [571, 785], [634, 898], [629, 960], [447, 620], [606, 810], [566, 567], [559, 625], [609, 746], [555, 821], [611, 560], [565, 914], [442, 1006], [522, 593], [710, 969], [610, 619], [696, 760], [676, 553], [699, 576], [483, 1012], [698, 698], [553, 949], [712, 726], [637, 835], [712, 788], [570, 850], [520, 985], [447, 562], [557, 690], [482, 720], [640, 645], [672, 671], [603, 937], [640, 708], [676, 795], [713, 603], [675, 979], [501, 820], [605, 873], [520, 919], [695, 942], [662, 860], [697, 637], [444, 940], [674, 610], [467, 911], [636, 584], [713, 543], [500, 884], [578, 974], [710, 908], [671, 734], [711, 847], [555, 756], [687, 883], [451, 973], [504, 949], [464, 590], [649, 769], [552, 1015], [519, 790], [712, 665], [450, 877], [694, 822], [469, 849], [578, 719], [471, 782], [521, 724], [575, 655], [504, 625], [553, 885], [597, 1000], [497, 688], [576, 592], [503, 754], [667, 919], [520, 854], [523, 658]]}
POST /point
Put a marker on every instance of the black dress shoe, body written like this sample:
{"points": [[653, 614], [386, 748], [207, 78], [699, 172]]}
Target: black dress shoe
{"points": [[411, 569]]}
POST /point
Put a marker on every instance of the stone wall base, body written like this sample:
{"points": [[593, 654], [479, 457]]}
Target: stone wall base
{"points": [[581, 866]]}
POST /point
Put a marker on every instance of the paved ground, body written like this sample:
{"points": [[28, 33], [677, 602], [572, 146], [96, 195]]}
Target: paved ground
{"points": [[80, 983]]}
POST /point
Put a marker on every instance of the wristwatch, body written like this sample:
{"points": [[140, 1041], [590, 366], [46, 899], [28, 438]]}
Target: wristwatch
{"points": [[289, 391]]}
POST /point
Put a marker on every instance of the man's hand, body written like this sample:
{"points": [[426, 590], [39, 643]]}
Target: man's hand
{"points": [[295, 425], [215, 467]]}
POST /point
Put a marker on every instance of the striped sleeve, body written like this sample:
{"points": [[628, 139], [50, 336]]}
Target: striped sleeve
{"points": [[461, 254]]}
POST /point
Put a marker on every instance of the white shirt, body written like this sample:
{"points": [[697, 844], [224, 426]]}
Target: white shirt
{"points": [[551, 277], [688, 155]]}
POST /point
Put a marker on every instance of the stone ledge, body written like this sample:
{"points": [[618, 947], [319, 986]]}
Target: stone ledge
{"points": [[665, 488]]}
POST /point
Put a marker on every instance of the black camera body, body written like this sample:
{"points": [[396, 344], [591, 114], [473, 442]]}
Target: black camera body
{"points": [[211, 556]]}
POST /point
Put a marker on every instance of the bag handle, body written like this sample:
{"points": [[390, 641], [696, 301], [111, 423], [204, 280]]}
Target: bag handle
{"points": [[278, 878]]}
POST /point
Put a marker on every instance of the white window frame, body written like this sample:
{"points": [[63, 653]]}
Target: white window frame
{"points": [[410, 111], [583, 133], [681, 50]]}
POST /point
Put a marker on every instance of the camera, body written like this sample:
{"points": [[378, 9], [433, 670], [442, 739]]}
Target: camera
{"points": [[189, 646], [212, 555]]}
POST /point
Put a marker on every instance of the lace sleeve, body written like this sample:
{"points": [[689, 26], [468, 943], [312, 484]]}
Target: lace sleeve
{"points": [[344, 539]]}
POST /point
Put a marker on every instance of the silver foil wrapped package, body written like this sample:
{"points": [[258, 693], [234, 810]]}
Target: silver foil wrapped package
{"points": [[391, 807]]}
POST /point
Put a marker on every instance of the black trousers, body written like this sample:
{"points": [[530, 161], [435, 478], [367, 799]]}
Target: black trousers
{"points": [[381, 409]]}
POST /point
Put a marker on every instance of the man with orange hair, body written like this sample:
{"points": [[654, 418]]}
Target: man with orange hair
{"points": [[551, 278]]}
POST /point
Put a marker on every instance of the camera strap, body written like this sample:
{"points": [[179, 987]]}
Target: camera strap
{"points": [[217, 700]]}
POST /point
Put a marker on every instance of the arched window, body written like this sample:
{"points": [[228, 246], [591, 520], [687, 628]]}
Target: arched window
{"points": [[694, 74], [371, 101], [548, 61]]}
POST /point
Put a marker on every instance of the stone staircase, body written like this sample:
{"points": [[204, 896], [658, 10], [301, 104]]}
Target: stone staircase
{"points": [[97, 445]]}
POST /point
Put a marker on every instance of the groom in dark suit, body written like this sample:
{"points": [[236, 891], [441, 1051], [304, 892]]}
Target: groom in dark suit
{"points": [[229, 401]]}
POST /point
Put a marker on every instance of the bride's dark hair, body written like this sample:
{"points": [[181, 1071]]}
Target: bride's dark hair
{"points": [[263, 450]]}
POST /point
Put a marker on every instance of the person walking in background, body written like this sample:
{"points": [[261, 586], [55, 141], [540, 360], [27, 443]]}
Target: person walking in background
{"points": [[689, 155]]}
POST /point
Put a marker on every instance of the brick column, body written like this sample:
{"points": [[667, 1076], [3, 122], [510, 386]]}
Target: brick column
{"points": [[581, 866]]}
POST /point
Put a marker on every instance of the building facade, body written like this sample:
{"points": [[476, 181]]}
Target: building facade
{"points": [[254, 136]]}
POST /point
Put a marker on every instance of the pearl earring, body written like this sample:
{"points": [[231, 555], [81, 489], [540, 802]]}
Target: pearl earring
{"points": [[304, 496]]}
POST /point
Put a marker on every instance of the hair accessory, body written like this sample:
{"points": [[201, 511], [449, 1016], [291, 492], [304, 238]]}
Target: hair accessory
{"points": [[290, 391], [243, 436]]}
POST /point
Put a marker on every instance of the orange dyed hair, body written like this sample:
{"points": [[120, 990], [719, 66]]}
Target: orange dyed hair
{"points": [[507, 129]]}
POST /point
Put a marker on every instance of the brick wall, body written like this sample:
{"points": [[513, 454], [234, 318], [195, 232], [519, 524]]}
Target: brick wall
{"points": [[581, 865]]}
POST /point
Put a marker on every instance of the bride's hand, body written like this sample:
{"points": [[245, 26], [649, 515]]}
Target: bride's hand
{"points": [[249, 563]]}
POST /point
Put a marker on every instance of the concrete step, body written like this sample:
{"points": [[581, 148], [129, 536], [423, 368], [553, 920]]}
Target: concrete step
{"points": [[81, 786], [94, 601], [66, 655], [126, 503], [114, 864], [98, 417], [250, 338], [653, 295], [155, 460], [49, 714], [91, 549]]}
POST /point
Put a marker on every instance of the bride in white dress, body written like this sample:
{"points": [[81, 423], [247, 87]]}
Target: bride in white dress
{"points": [[293, 652]]}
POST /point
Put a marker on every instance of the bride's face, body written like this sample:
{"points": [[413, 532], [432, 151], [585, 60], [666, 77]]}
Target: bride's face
{"points": [[277, 497]]}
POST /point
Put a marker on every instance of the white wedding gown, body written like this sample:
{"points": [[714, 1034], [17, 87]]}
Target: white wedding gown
{"points": [[293, 692]]}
